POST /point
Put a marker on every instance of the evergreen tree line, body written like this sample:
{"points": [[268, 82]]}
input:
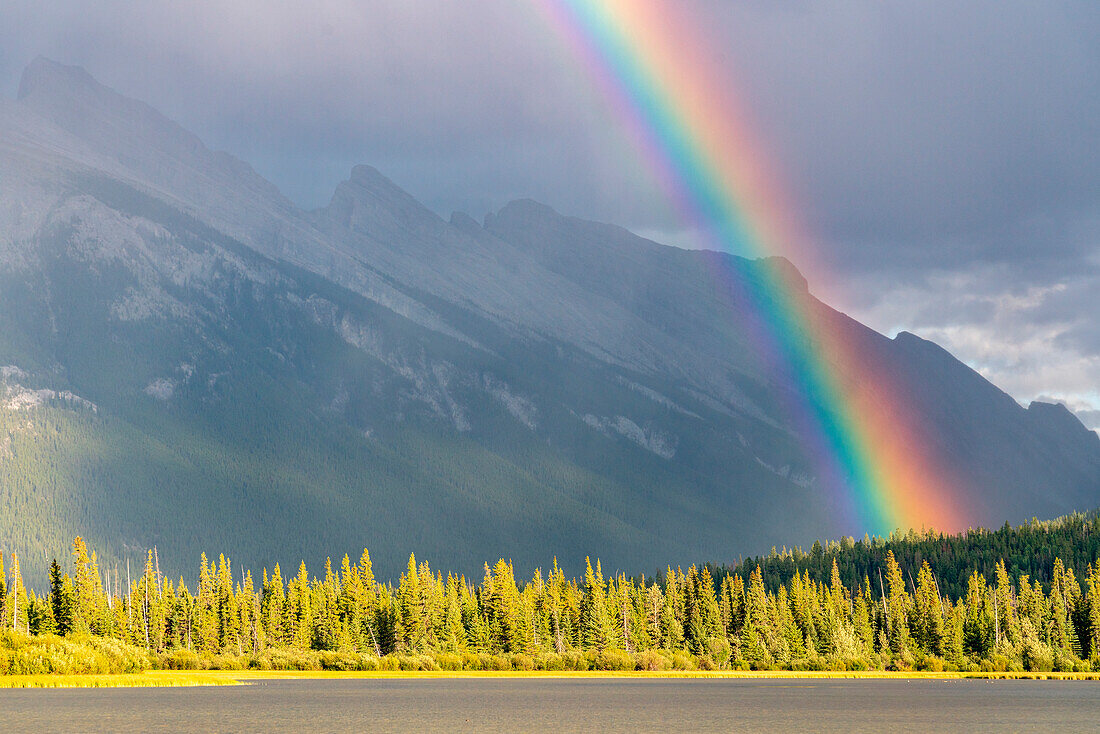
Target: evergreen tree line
{"points": [[892, 618], [1031, 549]]}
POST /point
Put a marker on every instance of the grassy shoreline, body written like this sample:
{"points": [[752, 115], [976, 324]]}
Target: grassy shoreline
{"points": [[147, 679], [182, 678]]}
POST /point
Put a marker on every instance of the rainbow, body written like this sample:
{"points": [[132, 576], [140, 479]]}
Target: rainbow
{"points": [[872, 451]]}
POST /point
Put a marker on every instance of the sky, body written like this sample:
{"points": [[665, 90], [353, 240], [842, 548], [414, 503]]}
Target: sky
{"points": [[944, 156]]}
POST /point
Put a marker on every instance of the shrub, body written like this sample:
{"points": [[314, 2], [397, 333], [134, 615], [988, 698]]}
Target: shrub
{"points": [[284, 659], [931, 663], [1063, 663], [340, 661], [612, 659], [680, 661], [718, 649], [415, 662], [653, 660], [225, 662], [499, 662], [473, 661], [522, 662], [121, 657], [449, 661], [549, 661], [574, 660], [24, 655], [856, 663], [810, 662], [1037, 657], [180, 659]]}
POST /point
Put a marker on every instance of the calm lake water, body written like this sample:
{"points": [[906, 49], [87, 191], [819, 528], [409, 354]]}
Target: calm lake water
{"points": [[566, 706]]}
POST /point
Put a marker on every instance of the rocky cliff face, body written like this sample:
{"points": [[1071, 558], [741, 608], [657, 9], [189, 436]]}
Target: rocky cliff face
{"points": [[371, 374]]}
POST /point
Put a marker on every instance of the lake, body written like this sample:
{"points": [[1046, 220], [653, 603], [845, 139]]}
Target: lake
{"points": [[565, 705]]}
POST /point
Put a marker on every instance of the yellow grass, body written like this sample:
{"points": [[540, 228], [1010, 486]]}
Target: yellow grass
{"points": [[157, 678], [251, 675], [152, 678]]}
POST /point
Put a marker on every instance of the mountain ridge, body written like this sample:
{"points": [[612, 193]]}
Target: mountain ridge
{"points": [[391, 378]]}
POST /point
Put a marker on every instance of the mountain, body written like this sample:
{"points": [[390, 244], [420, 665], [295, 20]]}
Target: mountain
{"points": [[189, 361]]}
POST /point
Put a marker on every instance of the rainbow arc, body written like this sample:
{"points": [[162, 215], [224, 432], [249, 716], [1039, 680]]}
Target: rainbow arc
{"points": [[870, 447]]}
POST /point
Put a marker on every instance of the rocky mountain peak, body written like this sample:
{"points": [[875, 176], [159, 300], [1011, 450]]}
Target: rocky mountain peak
{"points": [[787, 270], [370, 198], [1060, 420], [465, 223], [522, 212], [154, 148], [49, 78], [71, 98]]}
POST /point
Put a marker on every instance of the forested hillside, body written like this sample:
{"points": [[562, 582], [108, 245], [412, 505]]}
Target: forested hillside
{"points": [[1031, 549]]}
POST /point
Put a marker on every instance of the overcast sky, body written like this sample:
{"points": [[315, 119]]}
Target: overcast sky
{"points": [[944, 155]]}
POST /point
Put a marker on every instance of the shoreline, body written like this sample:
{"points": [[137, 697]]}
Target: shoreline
{"points": [[192, 678]]}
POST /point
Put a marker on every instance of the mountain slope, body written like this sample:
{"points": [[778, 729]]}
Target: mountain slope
{"points": [[185, 348]]}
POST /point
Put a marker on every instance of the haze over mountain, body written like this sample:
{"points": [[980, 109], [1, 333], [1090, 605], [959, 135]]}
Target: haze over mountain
{"points": [[181, 346]]}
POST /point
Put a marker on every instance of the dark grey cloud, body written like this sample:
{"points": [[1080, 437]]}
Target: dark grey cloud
{"points": [[917, 134], [945, 155], [931, 133], [466, 104]]}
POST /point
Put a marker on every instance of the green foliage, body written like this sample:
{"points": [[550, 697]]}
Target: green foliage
{"points": [[347, 620], [80, 654], [655, 660], [1031, 549]]}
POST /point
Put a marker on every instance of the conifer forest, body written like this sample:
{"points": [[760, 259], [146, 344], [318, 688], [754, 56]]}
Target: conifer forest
{"points": [[898, 614]]}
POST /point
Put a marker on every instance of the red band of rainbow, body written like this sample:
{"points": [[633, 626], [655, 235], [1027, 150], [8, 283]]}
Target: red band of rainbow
{"points": [[862, 427]]}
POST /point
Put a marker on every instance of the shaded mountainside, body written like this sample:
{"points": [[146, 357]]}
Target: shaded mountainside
{"points": [[182, 347]]}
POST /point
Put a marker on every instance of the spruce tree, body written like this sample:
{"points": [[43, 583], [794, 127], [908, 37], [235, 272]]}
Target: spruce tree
{"points": [[272, 603], [928, 624], [84, 587], [299, 609], [327, 629], [756, 627], [978, 620], [595, 632], [410, 617], [61, 600], [453, 639]]}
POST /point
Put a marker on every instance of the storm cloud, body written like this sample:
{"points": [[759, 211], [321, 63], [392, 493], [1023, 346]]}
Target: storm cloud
{"points": [[946, 156]]}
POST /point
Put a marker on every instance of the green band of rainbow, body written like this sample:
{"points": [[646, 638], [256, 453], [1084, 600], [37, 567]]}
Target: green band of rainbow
{"points": [[643, 54]]}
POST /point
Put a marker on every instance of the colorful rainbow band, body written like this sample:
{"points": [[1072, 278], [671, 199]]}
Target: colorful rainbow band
{"points": [[869, 449]]}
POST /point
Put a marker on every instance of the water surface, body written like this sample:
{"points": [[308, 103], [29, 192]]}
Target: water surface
{"points": [[604, 705]]}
